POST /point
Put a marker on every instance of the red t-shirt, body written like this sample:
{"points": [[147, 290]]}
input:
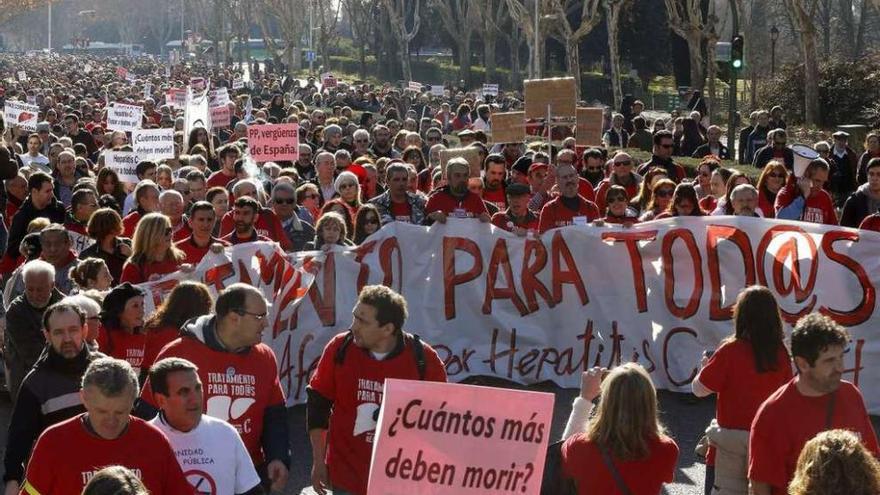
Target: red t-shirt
{"points": [[555, 214], [708, 204], [355, 387], [218, 179], [818, 208], [129, 223], [502, 220], [238, 387], [469, 206], [66, 456], [731, 373], [138, 274], [632, 190], [194, 253], [155, 340], [180, 231], [766, 206], [582, 462], [120, 344], [871, 222], [401, 212], [585, 189], [788, 419], [267, 225], [496, 197]]}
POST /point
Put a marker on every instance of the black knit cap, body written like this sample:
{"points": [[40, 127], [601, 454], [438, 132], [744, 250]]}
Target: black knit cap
{"points": [[522, 164]]}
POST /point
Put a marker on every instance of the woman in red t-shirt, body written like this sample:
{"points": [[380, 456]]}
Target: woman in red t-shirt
{"points": [[624, 435], [684, 203], [121, 334], [152, 253], [618, 210], [747, 368], [186, 301], [773, 177]]}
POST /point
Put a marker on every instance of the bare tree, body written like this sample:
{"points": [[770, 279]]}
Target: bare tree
{"points": [[288, 16], [360, 16], [523, 16], [493, 15], [10, 9], [460, 18], [804, 12], [400, 11], [571, 36], [328, 35], [160, 21], [686, 20], [613, 9]]}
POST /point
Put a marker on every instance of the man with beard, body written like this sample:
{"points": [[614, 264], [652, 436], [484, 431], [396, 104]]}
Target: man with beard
{"points": [[494, 174], [744, 199], [569, 208], [776, 149], [382, 146], [594, 166], [303, 163], [50, 392], [621, 175], [815, 400], [244, 214], [455, 199]]}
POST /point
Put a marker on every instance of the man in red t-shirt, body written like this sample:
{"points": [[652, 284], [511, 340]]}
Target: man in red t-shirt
{"points": [[201, 224], [266, 224], [105, 435], [814, 401], [240, 377], [146, 197], [172, 205], [345, 392], [455, 199], [806, 199], [245, 214], [569, 208], [517, 218], [494, 174], [227, 154], [621, 175]]}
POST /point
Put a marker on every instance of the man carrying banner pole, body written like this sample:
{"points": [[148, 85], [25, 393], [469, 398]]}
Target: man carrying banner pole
{"points": [[347, 388]]}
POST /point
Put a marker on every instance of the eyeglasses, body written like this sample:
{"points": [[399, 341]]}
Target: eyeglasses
{"points": [[284, 201], [594, 169], [663, 193], [257, 316], [433, 139], [362, 140], [776, 175]]}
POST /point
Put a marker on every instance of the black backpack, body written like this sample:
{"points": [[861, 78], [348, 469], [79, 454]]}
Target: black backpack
{"points": [[415, 342]]}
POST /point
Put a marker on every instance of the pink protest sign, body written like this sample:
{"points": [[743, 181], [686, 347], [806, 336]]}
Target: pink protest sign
{"points": [[278, 142], [447, 438]]}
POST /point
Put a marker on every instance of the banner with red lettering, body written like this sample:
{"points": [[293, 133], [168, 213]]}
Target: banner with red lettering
{"points": [[545, 308]]}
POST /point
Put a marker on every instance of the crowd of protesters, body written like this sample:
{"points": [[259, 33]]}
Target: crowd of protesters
{"points": [[81, 352]]}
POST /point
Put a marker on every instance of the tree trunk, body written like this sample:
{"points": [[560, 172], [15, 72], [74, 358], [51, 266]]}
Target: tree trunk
{"points": [[710, 66], [612, 21], [464, 57], [811, 78], [362, 58], [404, 59], [860, 31], [573, 63], [695, 51], [490, 41]]}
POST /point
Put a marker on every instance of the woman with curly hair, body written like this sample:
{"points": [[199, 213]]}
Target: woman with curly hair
{"points": [[835, 462], [186, 301]]}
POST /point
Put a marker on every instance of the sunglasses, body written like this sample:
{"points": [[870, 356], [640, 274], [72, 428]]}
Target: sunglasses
{"points": [[286, 201], [362, 140], [776, 175], [168, 232], [346, 186], [663, 193], [622, 163], [666, 146]]}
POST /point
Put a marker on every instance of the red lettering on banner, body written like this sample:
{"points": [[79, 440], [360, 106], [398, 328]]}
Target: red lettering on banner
{"points": [[293, 292], [714, 234], [559, 251], [500, 259], [244, 276], [616, 339], [669, 335], [161, 289], [494, 356], [693, 304], [857, 367], [450, 278], [632, 239], [364, 270], [325, 300], [388, 248], [562, 361], [865, 308], [217, 275], [789, 250], [529, 277], [276, 271]]}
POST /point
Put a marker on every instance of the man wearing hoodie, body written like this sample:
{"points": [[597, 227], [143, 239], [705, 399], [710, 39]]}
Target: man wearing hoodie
{"points": [[240, 377], [40, 202], [866, 199]]}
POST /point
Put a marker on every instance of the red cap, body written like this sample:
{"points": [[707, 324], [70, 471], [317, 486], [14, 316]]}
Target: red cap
{"points": [[538, 166]]}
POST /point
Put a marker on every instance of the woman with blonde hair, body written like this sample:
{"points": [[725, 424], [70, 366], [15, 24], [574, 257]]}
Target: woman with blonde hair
{"points": [[152, 253], [623, 447], [835, 462]]}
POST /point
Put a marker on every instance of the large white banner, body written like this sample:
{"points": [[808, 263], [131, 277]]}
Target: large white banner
{"points": [[545, 308], [21, 114]]}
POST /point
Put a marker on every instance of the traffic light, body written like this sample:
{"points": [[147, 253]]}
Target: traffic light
{"points": [[736, 52]]}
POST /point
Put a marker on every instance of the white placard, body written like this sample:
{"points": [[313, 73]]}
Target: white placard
{"points": [[148, 90], [217, 97], [21, 114], [153, 144], [125, 118], [221, 116], [124, 163], [197, 113], [437, 90], [237, 83], [490, 89], [22, 75], [415, 86]]}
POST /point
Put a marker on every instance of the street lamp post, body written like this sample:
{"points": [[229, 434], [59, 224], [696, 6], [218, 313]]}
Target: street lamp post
{"points": [[774, 35]]}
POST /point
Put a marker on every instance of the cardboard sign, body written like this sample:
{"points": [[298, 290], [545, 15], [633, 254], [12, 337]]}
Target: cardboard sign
{"points": [[437, 90], [589, 126], [22, 114], [176, 98], [508, 127], [478, 440], [125, 118], [237, 83], [328, 81], [221, 116], [279, 142], [490, 89], [472, 155], [153, 144], [22, 76], [414, 86], [124, 163], [559, 93], [121, 72], [79, 242]]}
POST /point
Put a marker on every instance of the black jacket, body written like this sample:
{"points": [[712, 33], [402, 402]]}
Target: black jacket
{"points": [[765, 154], [856, 208], [48, 395], [55, 212], [703, 151]]}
